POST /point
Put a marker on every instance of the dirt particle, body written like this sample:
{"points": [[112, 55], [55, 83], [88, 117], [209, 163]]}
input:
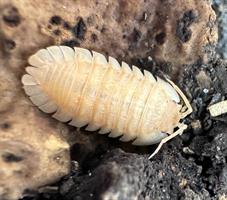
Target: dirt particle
{"points": [[183, 32], [79, 29], [56, 20], [11, 16], [10, 157]]}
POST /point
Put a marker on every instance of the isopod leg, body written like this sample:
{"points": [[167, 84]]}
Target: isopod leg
{"points": [[181, 127], [188, 105]]}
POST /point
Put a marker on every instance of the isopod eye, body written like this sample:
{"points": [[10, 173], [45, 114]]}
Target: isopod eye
{"points": [[170, 91]]}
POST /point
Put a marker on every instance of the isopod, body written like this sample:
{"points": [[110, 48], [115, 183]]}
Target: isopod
{"points": [[83, 88]]}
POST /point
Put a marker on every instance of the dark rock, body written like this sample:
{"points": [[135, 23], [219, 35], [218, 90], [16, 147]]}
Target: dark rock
{"points": [[124, 176], [223, 180], [216, 148], [191, 195], [221, 75], [221, 12]]}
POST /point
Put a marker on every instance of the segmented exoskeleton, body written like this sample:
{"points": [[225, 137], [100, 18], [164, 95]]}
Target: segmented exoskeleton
{"points": [[81, 87]]}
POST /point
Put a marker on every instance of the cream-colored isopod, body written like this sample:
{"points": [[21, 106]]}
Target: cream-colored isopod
{"points": [[82, 87]]}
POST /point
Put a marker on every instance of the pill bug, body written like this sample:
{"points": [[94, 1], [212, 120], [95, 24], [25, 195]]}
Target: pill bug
{"points": [[81, 87]]}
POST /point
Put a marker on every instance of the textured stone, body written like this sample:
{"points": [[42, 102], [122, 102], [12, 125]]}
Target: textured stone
{"points": [[220, 8], [8, 90], [32, 152], [175, 32], [123, 176]]}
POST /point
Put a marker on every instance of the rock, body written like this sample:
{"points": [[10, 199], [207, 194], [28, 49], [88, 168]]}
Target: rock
{"points": [[221, 12], [203, 80], [8, 90], [32, 152], [221, 75], [196, 126], [223, 179], [190, 194], [121, 175], [217, 148], [175, 33]]}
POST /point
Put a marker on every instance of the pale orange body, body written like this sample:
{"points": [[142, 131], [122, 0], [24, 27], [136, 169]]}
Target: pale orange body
{"points": [[83, 88]]}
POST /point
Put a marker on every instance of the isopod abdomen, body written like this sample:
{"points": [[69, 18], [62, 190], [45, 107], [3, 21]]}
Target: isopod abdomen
{"points": [[83, 88]]}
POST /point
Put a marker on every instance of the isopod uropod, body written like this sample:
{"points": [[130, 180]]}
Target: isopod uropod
{"points": [[81, 87]]}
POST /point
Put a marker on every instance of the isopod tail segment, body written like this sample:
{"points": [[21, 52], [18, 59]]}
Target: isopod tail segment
{"points": [[181, 126]]}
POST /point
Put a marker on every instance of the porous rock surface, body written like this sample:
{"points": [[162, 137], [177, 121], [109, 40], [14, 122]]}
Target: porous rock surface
{"points": [[171, 32], [121, 175], [32, 152]]}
